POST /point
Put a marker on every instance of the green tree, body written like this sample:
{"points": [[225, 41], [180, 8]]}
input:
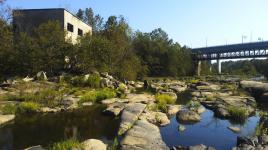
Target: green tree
{"points": [[80, 14]]}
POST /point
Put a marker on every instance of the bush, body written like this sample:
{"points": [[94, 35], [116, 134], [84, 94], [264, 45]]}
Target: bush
{"points": [[66, 145], [165, 98], [97, 96], [27, 107], [162, 100], [238, 114], [9, 109], [92, 81]]}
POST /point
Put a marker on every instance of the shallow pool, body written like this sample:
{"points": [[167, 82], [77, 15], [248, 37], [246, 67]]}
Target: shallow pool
{"points": [[43, 130], [209, 131]]}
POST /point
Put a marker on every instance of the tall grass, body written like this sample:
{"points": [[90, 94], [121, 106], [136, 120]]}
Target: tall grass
{"points": [[27, 107], [98, 95], [9, 109], [66, 145], [237, 114]]}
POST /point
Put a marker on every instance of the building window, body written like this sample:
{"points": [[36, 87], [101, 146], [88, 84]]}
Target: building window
{"points": [[70, 27], [80, 32]]}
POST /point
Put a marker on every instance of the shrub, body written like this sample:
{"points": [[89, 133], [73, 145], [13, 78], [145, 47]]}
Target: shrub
{"points": [[165, 98], [97, 96], [27, 107], [162, 101], [9, 109], [236, 113], [66, 145], [122, 88], [93, 81]]}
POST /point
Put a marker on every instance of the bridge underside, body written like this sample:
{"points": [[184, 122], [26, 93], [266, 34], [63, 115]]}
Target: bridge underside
{"points": [[235, 51]]}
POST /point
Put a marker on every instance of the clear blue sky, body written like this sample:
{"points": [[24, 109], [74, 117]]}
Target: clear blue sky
{"points": [[189, 22]]}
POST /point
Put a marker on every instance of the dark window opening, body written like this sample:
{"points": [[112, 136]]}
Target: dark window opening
{"points": [[80, 32], [70, 27]]}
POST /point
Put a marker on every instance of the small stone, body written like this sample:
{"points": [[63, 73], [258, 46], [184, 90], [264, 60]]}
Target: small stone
{"points": [[87, 104], [93, 144], [234, 129], [182, 128]]}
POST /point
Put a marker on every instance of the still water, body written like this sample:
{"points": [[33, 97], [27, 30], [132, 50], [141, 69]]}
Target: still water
{"points": [[210, 131], [43, 130]]}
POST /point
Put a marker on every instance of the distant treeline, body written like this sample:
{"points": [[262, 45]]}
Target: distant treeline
{"points": [[245, 67], [113, 48]]}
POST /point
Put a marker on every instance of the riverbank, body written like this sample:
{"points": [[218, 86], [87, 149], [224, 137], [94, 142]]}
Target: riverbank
{"points": [[162, 114]]}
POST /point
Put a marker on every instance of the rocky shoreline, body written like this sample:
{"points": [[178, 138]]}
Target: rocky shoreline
{"points": [[141, 117]]}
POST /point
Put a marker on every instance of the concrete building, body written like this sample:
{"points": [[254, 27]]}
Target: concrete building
{"points": [[25, 20]]}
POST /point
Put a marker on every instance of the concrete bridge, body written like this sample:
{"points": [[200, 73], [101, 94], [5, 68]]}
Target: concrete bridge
{"points": [[234, 51]]}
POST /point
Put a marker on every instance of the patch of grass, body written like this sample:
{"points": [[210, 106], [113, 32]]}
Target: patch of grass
{"points": [[66, 145], [9, 109], [236, 113], [209, 98], [162, 100], [92, 81], [27, 107], [48, 97], [10, 97], [122, 88], [98, 95]]}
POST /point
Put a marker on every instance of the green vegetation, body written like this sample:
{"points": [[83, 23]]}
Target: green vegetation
{"points": [[114, 48], [237, 113], [66, 145], [9, 109], [27, 107], [98, 95], [162, 100], [261, 130], [114, 146], [92, 81]]}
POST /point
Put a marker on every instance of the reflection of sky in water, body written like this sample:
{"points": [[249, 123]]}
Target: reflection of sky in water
{"points": [[209, 131]]}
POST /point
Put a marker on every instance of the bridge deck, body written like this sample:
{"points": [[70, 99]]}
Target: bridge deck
{"points": [[245, 50]]}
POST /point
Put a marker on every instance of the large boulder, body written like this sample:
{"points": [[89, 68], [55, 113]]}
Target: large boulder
{"points": [[143, 136], [188, 116], [93, 144], [129, 116]]}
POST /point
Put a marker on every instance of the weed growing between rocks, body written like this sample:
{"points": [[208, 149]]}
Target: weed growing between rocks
{"points": [[98, 95], [162, 100], [66, 145], [27, 107], [237, 114], [9, 109]]}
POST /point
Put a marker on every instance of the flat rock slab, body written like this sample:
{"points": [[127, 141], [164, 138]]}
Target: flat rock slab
{"points": [[143, 136], [157, 118], [140, 98], [130, 114], [6, 118]]}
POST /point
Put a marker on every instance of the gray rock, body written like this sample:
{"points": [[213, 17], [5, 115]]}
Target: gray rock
{"points": [[157, 118], [41, 75], [130, 114], [173, 109], [6, 118], [114, 109], [201, 147], [188, 116], [38, 147], [93, 144], [263, 139], [234, 129], [143, 136], [140, 98]]}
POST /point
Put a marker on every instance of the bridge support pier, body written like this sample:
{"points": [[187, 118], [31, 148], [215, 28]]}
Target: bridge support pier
{"points": [[199, 64], [219, 66]]}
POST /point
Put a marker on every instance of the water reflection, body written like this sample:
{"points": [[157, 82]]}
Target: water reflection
{"points": [[47, 129], [210, 131]]}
